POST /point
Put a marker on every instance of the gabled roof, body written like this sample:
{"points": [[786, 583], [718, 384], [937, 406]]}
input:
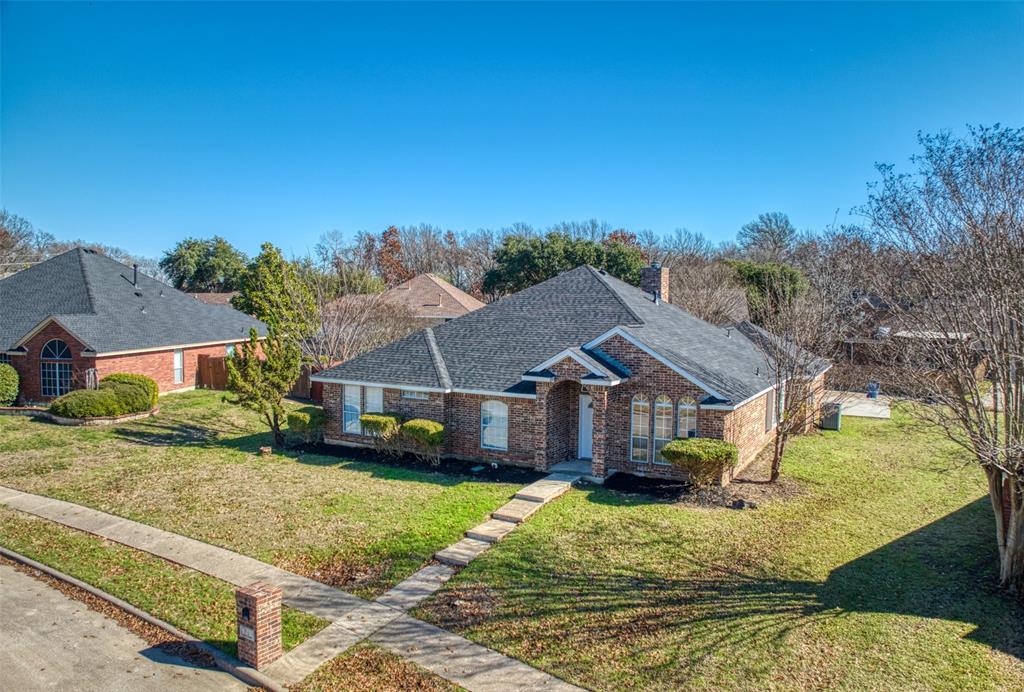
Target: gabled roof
{"points": [[492, 348], [215, 298], [431, 296], [94, 298]]}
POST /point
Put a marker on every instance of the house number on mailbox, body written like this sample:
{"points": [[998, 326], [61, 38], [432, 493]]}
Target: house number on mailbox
{"points": [[246, 632]]}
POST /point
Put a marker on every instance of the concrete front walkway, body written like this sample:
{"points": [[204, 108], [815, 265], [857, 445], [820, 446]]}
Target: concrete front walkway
{"points": [[51, 642], [353, 619]]}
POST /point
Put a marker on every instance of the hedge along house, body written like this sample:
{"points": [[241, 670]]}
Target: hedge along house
{"points": [[582, 367], [69, 321]]}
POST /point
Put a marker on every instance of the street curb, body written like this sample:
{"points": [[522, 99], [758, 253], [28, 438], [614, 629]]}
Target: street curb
{"points": [[227, 663]]}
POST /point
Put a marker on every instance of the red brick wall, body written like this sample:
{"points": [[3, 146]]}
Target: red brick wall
{"points": [[159, 365], [462, 430], [744, 427], [650, 378], [28, 365]]}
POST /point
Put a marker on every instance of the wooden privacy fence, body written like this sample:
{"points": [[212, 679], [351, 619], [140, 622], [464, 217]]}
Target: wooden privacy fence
{"points": [[212, 372]]}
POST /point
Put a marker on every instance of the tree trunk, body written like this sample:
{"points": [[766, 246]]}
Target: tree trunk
{"points": [[778, 450], [1007, 496]]}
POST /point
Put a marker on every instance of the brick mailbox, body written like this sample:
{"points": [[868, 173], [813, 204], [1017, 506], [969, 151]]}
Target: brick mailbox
{"points": [[258, 609]]}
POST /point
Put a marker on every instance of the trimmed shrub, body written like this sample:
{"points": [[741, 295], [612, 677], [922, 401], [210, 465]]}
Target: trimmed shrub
{"points": [[87, 403], [384, 428], [425, 437], [8, 385], [307, 423], [704, 458], [132, 398], [147, 383]]}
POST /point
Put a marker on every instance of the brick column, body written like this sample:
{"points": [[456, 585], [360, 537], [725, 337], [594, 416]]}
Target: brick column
{"points": [[599, 395], [540, 427], [258, 610]]}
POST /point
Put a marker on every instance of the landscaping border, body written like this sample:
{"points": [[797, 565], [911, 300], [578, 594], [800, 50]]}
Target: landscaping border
{"points": [[96, 421], [249, 676]]}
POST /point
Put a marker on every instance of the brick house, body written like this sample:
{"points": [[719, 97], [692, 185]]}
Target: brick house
{"points": [[69, 321], [582, 367]]}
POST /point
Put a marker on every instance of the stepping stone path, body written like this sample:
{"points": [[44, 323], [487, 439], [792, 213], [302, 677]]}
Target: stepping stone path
{"points": [[526, 503]]}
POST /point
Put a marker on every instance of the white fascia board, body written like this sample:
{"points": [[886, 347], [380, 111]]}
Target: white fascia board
{"points": [[581, 358], [604, 383], [618, 331], [45, 321], [537, 378]]}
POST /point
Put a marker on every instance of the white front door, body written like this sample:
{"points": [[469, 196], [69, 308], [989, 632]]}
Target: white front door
{"points": [[586, 441]]}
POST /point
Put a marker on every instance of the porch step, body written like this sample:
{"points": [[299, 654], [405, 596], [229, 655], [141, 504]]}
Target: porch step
{"points": [[517, 511], [544, 490], [462, 553], [491, 531]]}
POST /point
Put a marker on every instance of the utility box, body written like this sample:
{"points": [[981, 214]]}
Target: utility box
{"points": [[258, 610], [832, 416]]}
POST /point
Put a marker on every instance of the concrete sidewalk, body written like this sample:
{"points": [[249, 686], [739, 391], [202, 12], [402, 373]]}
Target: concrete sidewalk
{"points": [[353, 619], [51, 642], [859, 405]]}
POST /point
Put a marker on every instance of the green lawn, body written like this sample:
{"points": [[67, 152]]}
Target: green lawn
{"points": [[193, 469], [191, 601], [876, 574]]}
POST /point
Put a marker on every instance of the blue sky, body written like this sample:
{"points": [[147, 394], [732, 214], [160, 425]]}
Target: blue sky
{"points": [[140, 124]]}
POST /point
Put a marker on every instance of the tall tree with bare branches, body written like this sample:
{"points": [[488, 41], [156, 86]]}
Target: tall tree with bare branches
{"points": [[957, 225]]}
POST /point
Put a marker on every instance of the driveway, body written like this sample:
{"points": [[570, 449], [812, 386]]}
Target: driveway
{"points": [[51, 642]]}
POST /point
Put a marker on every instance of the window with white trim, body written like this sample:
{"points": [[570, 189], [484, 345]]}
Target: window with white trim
{"points": [[687, 418], [662, 426], [639, 429], [494, 425], [419, 396], [179, 366], [5, 358], [352, 409], [769, 410], [229, 350], [55, 369]]}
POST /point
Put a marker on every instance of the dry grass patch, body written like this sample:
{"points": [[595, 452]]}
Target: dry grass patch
{"points": [[194, 470], [367, 667]]}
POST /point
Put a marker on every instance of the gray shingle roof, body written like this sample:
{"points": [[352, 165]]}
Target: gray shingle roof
{"points": [[490, 349], [93, 296]]}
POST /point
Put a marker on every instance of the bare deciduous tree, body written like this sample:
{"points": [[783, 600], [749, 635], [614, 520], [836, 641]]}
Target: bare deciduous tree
{"points": [[958, 228]]}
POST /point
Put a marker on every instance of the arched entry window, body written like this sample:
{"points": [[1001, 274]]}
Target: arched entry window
{"points": [[662, 425], [639, 429], [55, 368], [687, 417]]}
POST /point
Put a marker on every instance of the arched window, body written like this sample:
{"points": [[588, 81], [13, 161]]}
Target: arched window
{"points": [[687, 417], [55, 369], [494, 425], [639, 429], [662, 425]]}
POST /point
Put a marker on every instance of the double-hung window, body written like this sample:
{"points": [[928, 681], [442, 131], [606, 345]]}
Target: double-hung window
{"points": [[639, 429], [769, 409], [494, 425], [179, 366], [662, 426], [352, 409], [418, 396]]}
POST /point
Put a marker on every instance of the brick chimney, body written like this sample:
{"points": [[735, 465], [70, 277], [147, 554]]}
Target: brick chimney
{"points": [[654, 279]]}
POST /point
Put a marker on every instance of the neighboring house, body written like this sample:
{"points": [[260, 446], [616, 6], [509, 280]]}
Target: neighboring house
{"points": [[215, 298], [430, 299], [582, 366], [69, 321]]}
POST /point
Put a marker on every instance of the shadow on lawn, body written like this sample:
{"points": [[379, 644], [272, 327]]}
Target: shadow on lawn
{"points": [[944, 570], [155, 432]]}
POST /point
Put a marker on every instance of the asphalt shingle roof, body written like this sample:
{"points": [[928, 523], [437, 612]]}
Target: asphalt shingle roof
{"points": [[491, 348], [93, 296]]}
